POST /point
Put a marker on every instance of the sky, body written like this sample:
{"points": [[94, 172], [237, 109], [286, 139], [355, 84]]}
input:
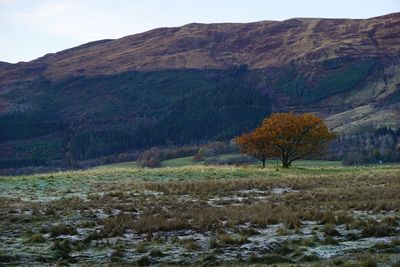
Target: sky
{"points": [[32, 28]]}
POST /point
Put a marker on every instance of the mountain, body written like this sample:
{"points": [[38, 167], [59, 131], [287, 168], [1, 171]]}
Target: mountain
{"points": [[198, 82]]}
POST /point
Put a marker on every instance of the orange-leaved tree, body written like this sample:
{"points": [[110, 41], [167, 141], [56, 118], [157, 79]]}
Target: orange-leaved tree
{"points": [[254, 144], [290, 137]]}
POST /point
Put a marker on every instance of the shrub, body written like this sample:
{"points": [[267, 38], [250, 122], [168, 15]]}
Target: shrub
{"points": [[150, 158]]}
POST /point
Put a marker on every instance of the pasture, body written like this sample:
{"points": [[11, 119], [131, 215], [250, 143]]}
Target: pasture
{"points": [[314, 213]]}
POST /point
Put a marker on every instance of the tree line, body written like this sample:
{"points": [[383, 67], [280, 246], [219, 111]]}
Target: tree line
{"points": [[367, 146]]}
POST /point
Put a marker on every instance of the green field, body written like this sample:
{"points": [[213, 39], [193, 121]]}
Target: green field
{"points": [[315, 213], [188, 161]]}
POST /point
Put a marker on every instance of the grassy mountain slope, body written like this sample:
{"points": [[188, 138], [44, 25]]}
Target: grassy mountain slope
{"points": [[198, 82]]}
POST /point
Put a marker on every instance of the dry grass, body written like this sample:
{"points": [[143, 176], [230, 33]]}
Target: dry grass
{"points": [[113, 208]]}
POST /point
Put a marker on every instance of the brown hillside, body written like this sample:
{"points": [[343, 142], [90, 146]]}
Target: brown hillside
{"points": [[259, 45]]}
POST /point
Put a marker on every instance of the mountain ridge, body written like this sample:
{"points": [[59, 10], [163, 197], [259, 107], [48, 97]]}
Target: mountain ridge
{"points": [[218, 45]]}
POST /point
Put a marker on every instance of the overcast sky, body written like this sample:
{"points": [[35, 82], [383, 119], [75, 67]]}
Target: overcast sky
{"points": [[32, 28]]}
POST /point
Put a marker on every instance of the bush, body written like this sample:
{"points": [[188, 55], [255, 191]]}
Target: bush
{"points": [[150, 158]]}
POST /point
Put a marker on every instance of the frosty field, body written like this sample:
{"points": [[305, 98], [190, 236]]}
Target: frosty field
{"points": [[202, 215]]}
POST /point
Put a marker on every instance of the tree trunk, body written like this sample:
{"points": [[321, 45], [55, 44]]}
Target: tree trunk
{"points": [[285, 165], [263, 163], [285, 162]]}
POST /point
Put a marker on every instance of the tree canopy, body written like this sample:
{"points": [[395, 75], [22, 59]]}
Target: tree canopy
{"points": [[288, 136], [254, 144]]}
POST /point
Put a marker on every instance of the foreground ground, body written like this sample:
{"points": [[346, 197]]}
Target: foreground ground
{"points": [[202, 215]]}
